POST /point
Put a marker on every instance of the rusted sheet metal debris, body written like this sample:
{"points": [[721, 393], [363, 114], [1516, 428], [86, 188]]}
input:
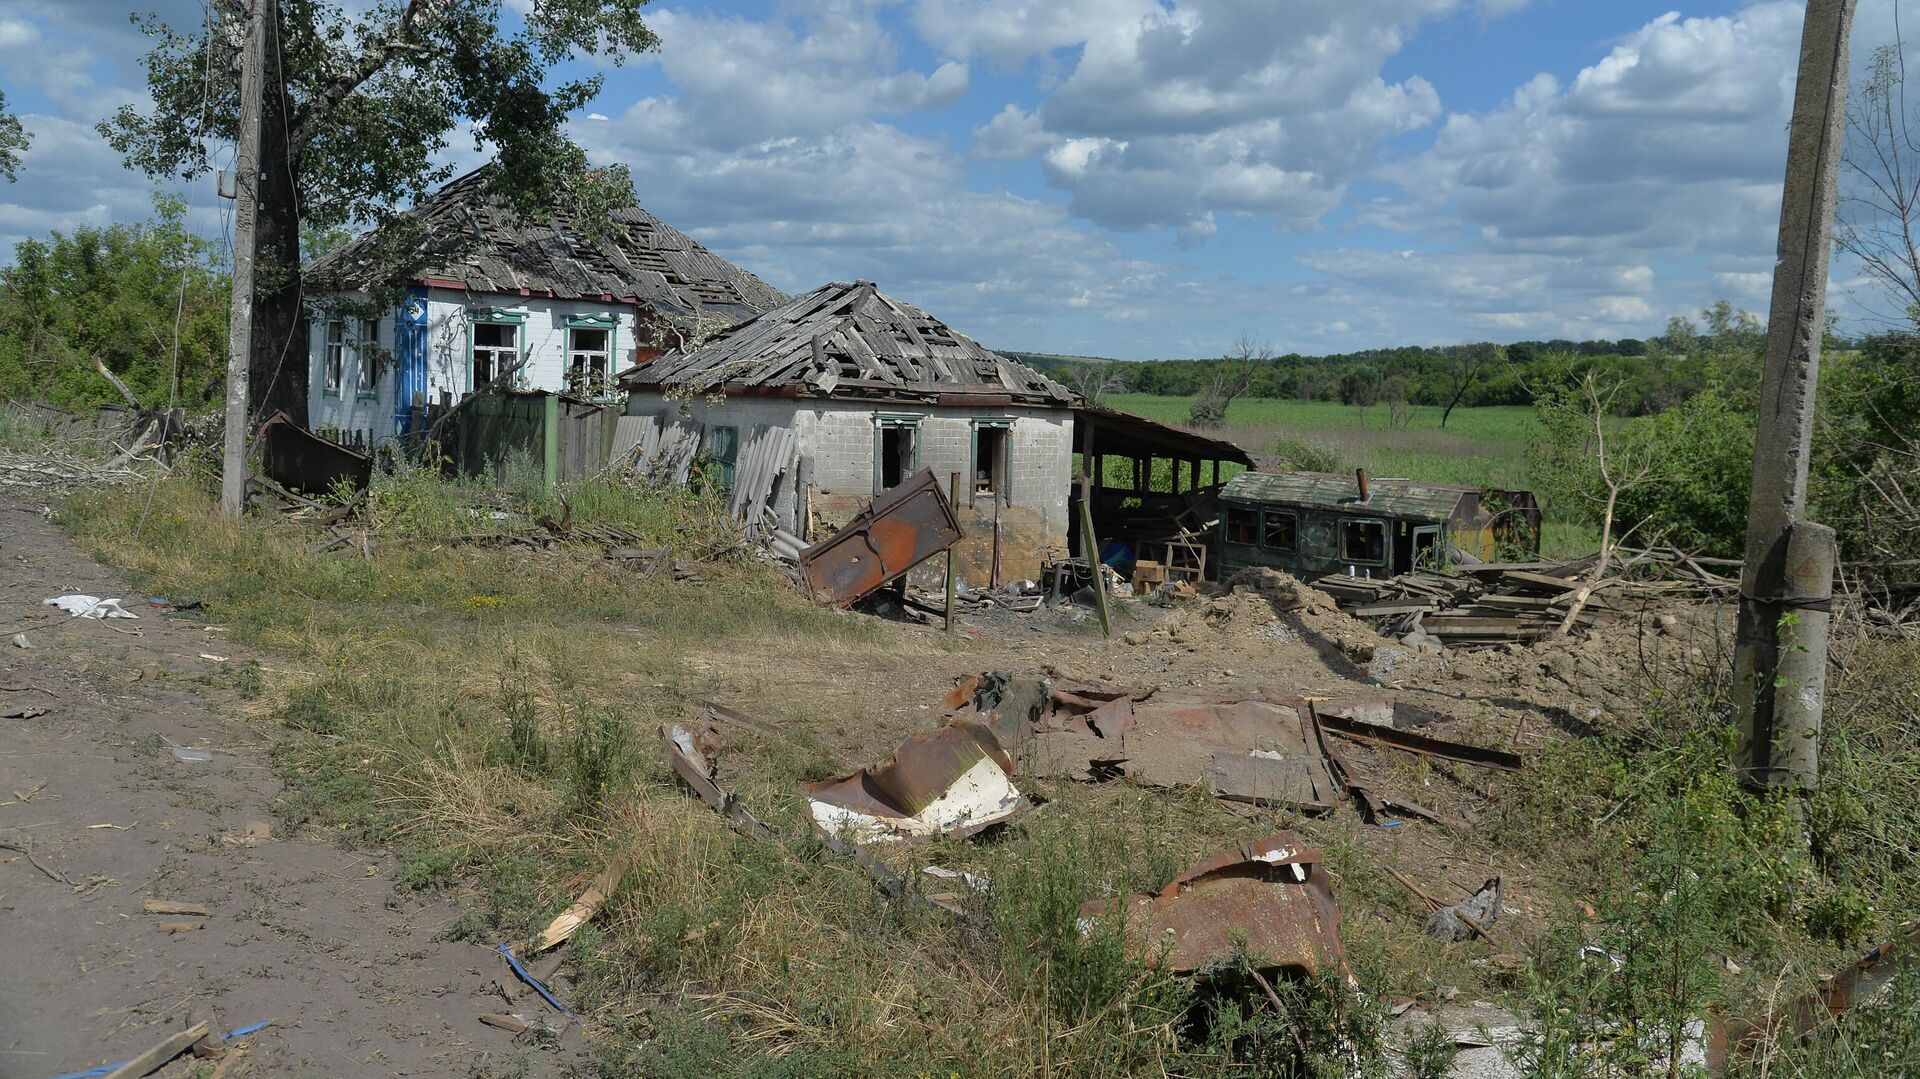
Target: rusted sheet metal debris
{"points": [[1862, 980], [303, 462], [897, 531], [1413, 742], [1254, 751], [690, 750], [1269, 897], [952, 781]]}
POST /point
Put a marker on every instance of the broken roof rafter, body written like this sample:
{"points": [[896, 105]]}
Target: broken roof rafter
{"points": [[852, 335]]}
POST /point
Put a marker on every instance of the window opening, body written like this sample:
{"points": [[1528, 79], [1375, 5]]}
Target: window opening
{"points": [[1281, 531], [723, 449], [1243, 525], [1363, 542], [587, 361], [495, 347], [897, 454], [990, 461], [333, 358], [369, 375]]}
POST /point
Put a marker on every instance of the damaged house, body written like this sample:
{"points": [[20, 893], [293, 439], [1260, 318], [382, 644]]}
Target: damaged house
{"points": [[491, 300], [842, 393]]}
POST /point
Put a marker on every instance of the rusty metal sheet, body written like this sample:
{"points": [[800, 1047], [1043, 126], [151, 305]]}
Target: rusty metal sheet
{"points": [[1412, 742], [305, 463], [952, 781], [1270, 893], [897, 531]]}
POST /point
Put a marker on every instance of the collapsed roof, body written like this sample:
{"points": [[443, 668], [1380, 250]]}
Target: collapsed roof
{"points": [[1321, 490], [851, 339], [463, 236]]}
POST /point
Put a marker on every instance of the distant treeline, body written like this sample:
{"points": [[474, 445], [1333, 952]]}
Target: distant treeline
{"points": [[1657, 373]]}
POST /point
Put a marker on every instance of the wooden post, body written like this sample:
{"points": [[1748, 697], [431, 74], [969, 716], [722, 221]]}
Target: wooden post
{"points": [[1780, 643], [1090, 547], [246, 168], [953, 493]]}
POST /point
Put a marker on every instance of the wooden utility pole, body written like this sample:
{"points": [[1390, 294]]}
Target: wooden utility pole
{"points": [[246, 168], [953, 493], [1090, 547], [1780, 645]]}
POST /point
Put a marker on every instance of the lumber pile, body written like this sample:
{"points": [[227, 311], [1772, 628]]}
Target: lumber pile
{"points": [[1520, 602]]}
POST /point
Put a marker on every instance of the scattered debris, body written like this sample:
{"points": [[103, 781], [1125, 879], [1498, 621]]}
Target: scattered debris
{"points": [[191, 755], [583, 908], [1255, 750], [151, 1060], [1268, 899], [27, 795], [521, 973], [21, 711], [1475, 606], [512, 1024], [20, 641], [899, 529], [955, 780], [1472, 916], [1862, 980], [88, 607], [691, 753], [169, 906], [26, 848]]}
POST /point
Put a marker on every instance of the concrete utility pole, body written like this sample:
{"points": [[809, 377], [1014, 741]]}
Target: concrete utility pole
{"points": [[1780, 646], [246, 167]]}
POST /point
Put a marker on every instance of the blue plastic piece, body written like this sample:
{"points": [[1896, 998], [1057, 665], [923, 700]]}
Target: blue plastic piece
{"points": [[530, 980], [105, 1068]]}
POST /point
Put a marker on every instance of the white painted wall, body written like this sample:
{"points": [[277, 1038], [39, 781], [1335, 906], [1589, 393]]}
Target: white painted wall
{"points": [[839, 437], [544, 335]]}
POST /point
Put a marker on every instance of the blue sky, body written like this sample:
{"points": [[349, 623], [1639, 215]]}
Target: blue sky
{"points": [[1141, 178]]}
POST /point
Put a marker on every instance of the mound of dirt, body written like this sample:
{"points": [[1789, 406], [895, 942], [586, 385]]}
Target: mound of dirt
{"points": [[1283, 591]]}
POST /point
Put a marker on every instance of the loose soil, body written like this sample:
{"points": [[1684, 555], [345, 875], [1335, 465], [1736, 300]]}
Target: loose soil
{"points": [[353, 975]]}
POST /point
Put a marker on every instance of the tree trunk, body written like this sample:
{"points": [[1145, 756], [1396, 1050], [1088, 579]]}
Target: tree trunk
{"points": [[277, 367]]}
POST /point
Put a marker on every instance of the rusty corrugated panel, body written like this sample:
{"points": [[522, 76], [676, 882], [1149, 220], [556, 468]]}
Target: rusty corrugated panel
{"points": [[952, 781], [305, 463], [1270, 893], [896, 532]]}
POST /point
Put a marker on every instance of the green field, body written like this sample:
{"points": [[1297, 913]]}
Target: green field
{"points": [[1480, 446]]}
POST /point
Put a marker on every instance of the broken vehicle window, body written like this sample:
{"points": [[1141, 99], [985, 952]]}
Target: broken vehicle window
{"points": [[1281, 532], [1363, 542], [1243, 525]]}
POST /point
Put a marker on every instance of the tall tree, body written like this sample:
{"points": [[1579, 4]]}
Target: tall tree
{"points": [[358, 107], [1462, 368], [13, 141]]}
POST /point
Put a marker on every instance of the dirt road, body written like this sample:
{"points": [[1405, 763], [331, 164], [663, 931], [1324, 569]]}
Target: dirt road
{"points": [[314, 938]]}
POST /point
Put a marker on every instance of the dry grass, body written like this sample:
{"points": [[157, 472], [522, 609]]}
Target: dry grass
{"points": [[491, 715]]}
